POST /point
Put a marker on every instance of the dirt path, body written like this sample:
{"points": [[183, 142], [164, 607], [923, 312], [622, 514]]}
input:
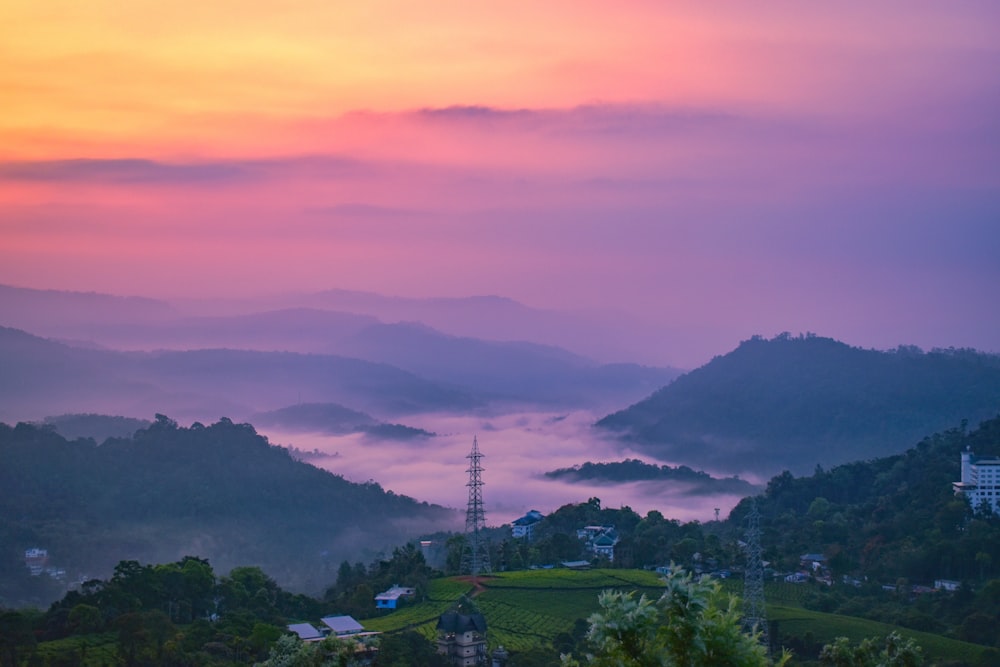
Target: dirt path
{"points": [[475, 582]]}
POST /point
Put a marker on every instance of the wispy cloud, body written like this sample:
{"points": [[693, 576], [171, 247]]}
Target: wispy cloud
{"points": [[130, 170], [144, 171], [599, 119]]}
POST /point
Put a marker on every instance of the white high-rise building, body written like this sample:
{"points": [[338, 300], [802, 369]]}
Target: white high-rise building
{"points": [[980, 481]]}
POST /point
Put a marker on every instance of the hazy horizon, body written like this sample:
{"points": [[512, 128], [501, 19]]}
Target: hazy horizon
{"points": [[605, 335]]}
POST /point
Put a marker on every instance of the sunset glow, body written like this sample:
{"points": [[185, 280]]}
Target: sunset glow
{"points": [[715, 170]]}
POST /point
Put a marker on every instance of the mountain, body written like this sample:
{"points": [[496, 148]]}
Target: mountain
{"points": [[98, 427], [797, 402], [886, 530], [46, 310], [519, 372], [606, 335], [503, 368], [43, 377], [220, 492], [693, 482], [335, 419]]}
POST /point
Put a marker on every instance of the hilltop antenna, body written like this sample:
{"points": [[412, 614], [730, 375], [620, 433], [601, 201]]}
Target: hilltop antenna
{"points": [[476, 557], [754, 613]]}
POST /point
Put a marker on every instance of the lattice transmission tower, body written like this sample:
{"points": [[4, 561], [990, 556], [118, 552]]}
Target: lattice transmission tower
{"points": [[476, 557], [754, 613]]}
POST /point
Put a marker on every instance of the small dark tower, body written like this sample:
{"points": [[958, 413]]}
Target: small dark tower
{"points": [[462, 638], [476, 557], [754, 614]]}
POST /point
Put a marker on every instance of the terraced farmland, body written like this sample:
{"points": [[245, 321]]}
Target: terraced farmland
{"points": [[528, 608]]}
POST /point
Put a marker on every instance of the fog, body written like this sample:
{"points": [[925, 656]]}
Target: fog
{"points": [[517, 449]]}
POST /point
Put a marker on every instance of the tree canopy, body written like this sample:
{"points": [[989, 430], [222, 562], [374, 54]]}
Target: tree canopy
{"points": [[691, 625]]}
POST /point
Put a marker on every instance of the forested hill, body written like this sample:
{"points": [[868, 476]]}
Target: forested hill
{"points": [[886, 518], [797, 402], [892, 521], [220, 492], [691, 482]]}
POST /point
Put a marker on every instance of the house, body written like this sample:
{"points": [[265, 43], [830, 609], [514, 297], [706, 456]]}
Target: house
{"points": [[390, 599], [812, 561], [590, 532], [306, 632], [344, 626], [947, 585], [462, 638], [525, 526], [576, 564], [601, 540], [35, 560], [604, 545], [980, 483]]}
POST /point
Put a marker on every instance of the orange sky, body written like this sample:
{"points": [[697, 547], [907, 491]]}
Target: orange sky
{"points": [[193, 78]]}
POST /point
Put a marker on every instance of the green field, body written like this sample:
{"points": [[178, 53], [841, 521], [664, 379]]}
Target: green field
{"points": [[827, 627], [529, 608], [522, 609]]}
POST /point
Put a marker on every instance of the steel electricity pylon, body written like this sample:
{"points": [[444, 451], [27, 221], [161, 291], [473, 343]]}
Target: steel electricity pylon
{"points": [[476, 557], [754, 613]]}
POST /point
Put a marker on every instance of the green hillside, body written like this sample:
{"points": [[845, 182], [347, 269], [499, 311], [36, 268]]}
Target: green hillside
{"points": [[820, 628], [221, 491], [792, 403], [528, 609], [523, 609]]}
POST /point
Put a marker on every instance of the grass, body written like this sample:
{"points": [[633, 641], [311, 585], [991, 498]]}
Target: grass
{"points": [[563, 579], [827, 627], [423, 615], [530, 608]]}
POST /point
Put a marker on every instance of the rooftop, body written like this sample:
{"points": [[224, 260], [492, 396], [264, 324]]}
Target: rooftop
{"points": [[305, 631], [454, 622], [343, 625], [395, 593], [533, 516]]}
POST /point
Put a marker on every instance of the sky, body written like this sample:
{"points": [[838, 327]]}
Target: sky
{"points": [[715, 170]]}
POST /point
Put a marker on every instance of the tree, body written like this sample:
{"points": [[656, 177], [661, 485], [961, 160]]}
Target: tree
{"points": [[142, 636], [894, 651], [15, 635], [455, 547], [85, 619], [290, 651], [691, 625], [408, 649]]}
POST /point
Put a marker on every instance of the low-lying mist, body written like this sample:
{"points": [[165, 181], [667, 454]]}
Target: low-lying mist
{"points": [[517, 450]]}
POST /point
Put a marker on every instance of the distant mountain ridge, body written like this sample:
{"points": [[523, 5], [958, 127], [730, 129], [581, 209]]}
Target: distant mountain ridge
{"points": [[795, 402], [42, 377], [98, 427], [334, 419], [36, 309], [505, 371]]}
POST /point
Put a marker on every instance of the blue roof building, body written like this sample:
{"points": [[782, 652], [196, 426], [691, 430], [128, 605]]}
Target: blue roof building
{"points": [[525, 526]]}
